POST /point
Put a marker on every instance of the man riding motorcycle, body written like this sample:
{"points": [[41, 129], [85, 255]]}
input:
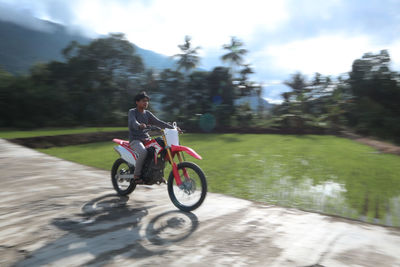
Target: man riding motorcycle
{"points": [[138, 119]]}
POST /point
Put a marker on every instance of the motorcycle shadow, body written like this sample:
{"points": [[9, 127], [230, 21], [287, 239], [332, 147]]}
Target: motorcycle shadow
{"points": [[109, 226], [171, 226], [167, 227]]}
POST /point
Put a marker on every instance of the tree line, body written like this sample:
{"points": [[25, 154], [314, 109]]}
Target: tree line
{"points": [[364, 100], [96, 83]]}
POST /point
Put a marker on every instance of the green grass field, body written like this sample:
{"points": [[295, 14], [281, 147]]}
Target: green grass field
{"points": [[10, 134], [321, 173]]}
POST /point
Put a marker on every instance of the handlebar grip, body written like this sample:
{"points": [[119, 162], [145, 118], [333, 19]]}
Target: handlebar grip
{"points": [[151, 128]]}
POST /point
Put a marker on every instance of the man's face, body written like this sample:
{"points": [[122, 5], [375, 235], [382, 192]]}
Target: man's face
{"points": [[143, 103]]}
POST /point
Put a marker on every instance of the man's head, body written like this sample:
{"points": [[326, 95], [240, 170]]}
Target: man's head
{"points": [[142, 100]]}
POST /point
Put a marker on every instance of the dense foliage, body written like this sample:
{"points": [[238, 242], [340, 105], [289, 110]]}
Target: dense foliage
{"points": [[366, 100], [96, 83]]}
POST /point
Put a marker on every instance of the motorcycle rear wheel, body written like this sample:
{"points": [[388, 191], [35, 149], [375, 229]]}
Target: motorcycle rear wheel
{"points": [[122, 186], [192, 192]]}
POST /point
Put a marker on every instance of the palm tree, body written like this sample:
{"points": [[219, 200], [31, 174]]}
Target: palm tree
{"points": [[246, 87], [245, 72], [188, 59], [235, 53]]}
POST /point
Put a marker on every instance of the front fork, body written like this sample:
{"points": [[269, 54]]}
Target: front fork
{"points": [[175, 171]]}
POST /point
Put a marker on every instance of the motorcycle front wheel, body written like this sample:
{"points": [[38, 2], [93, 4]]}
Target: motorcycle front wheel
{"points": [[191, 193], [121, 185]]}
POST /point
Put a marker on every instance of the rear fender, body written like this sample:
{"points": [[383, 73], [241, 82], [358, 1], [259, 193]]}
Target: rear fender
{"points": [[126, 154], [191, 152]]}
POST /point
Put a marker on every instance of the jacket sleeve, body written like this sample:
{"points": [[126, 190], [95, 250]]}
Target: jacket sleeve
{"points": [[157, 122], [132, 122]]}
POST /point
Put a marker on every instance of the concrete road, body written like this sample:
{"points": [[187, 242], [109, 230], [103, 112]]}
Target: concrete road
{"points": [[58, 213]]}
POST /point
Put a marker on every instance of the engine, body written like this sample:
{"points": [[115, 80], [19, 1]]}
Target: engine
{"points": [[153, 172]]}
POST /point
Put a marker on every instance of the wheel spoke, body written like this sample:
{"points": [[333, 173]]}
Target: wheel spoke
{"points": [[122, 185], [191, 193]]}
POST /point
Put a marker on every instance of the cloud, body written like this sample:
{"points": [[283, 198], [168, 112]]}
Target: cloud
{"points": [[272, 92], [22, 16], [326, 37], [378, 20], [59, 11], [310, 18], [328, 54], [161, 25]]}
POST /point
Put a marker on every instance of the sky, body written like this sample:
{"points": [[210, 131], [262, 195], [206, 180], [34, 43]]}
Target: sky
{"points": [[282, 36]]}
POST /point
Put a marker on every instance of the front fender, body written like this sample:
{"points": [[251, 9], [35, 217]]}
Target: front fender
{"points": [[191, 152]]}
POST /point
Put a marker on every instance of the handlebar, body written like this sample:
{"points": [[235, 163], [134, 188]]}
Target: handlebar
{"points": [[151, 128], [155, 128]]}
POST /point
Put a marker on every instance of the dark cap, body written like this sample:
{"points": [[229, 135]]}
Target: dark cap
{"points": [[141, 95]]}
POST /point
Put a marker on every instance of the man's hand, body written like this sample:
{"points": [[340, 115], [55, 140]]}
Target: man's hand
{"points": [[142, 126], [179, 130]]}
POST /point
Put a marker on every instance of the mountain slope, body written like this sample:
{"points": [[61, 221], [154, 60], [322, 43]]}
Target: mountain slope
{"points": [[21, 47], [255, 102]]}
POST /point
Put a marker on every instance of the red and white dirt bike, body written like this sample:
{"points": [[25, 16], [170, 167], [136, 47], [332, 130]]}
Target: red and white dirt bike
{"points": [[187, 185]]}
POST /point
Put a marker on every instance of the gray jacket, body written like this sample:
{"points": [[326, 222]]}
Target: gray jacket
{"points": [[135, 118]]}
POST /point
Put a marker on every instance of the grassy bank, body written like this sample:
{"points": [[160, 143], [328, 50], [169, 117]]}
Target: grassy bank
{"points": [[321, 173], [10, 134]]}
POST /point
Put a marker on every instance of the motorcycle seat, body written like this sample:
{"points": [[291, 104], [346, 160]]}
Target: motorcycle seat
{"points": [[121, 142]]}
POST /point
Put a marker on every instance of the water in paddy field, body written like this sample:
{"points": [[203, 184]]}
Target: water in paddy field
{"points": [[329, 197], [368, 201]]}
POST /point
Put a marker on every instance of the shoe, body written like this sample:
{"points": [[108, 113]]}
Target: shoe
{"points": [[161, 181], [138, 180]]}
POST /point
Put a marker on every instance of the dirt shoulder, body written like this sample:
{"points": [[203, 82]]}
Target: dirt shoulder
{"points": [[69, 139], [381, 146]]}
